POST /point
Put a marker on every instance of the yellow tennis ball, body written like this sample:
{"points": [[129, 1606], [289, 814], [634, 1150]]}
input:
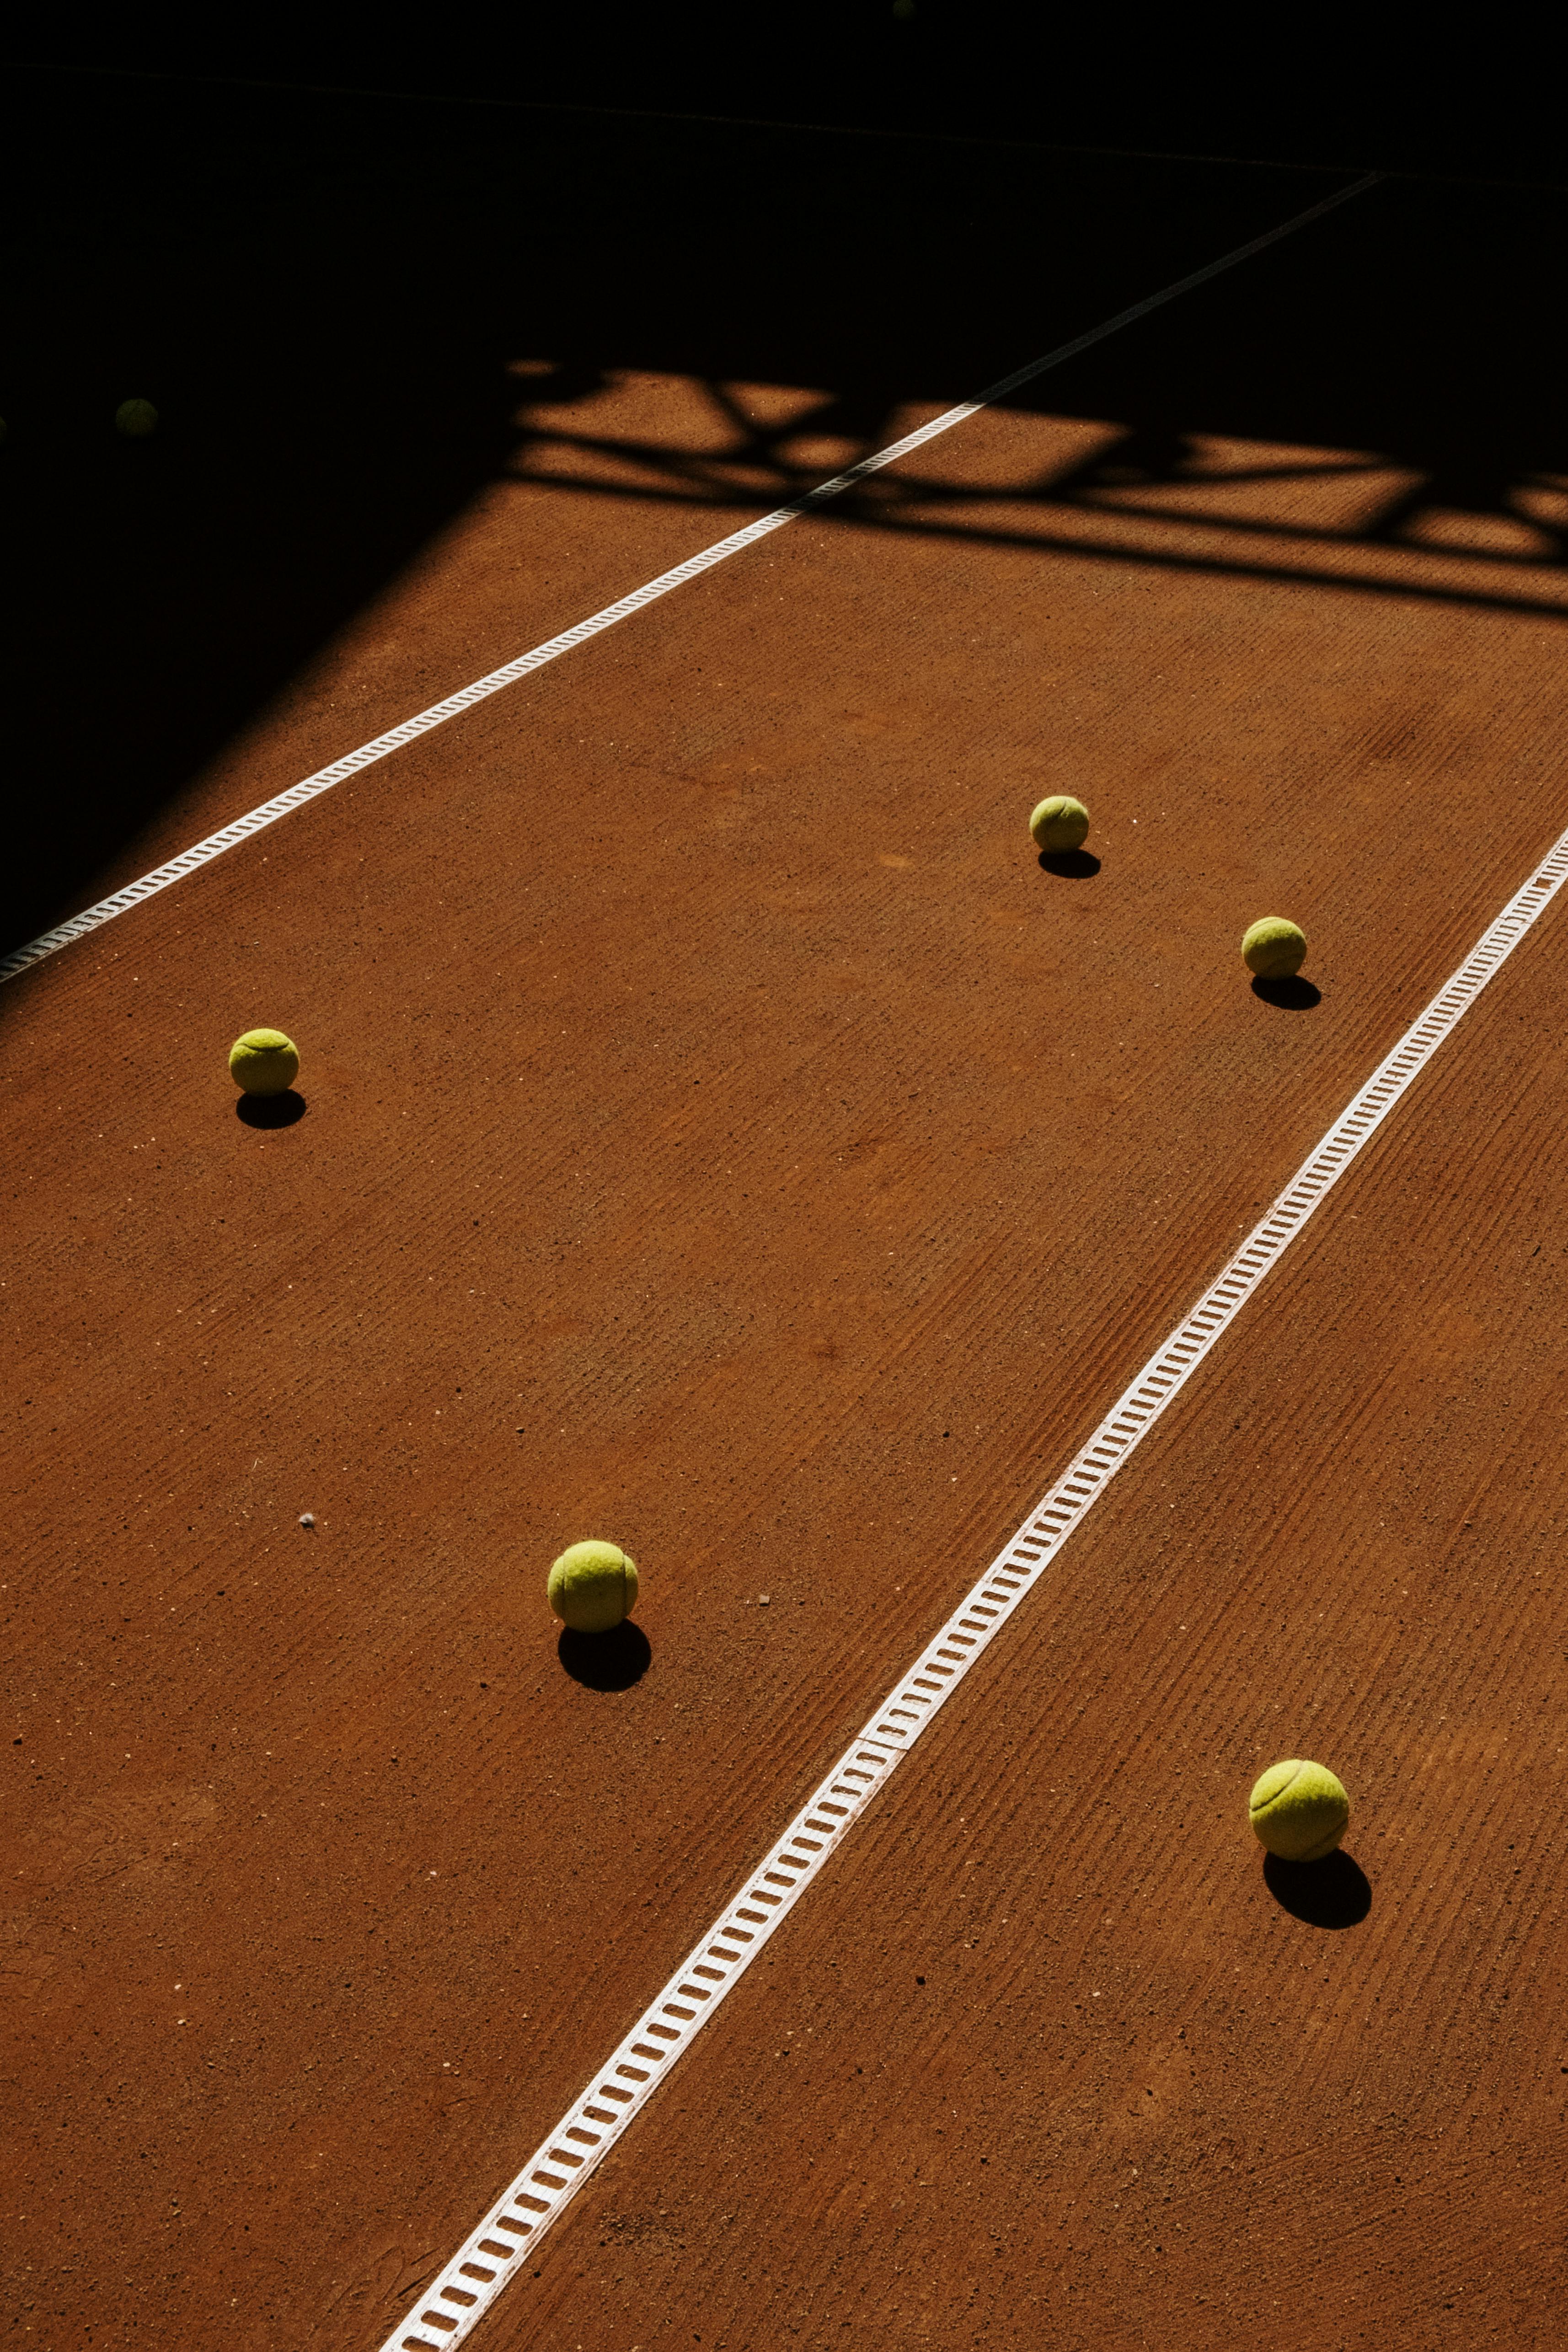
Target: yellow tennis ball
{"points": [[1061, 822], [1299, 1811], [1274, 949], [136, 419], [263, 1062], [592, 1586]]}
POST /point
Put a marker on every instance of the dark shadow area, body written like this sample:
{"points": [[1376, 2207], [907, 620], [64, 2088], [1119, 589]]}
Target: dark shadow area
{"points": [[270, 1110], [1073, 865], [606, 1662], [1333, 1893], [1362, 92], [328, 295], [1292, 995]]}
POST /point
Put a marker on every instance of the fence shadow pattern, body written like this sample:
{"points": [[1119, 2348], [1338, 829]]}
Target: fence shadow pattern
{"points": [[1117, 491]]}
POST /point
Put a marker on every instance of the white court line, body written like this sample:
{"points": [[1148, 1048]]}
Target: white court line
{"points": [[230, 835], [585, 2133]]}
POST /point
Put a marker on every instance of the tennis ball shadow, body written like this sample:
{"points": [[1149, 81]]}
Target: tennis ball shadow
{"points": [[1293, 995], [1074, 865], [606, 1662], [270, 1110], [1333, 1893]]}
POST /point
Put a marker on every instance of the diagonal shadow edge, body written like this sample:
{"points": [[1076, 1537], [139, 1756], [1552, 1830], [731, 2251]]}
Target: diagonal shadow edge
{"points": [[176, 869]]}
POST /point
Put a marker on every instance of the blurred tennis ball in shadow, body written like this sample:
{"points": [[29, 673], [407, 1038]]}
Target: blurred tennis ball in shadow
{"points": [[1299, 1811], [263, 1062], [136, 419], [1274, 949], [1058, 823], [592, 1587]]}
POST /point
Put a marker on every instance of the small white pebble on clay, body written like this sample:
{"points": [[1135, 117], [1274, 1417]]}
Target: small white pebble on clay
{"points": [[306, 1519], [764, 1598]]}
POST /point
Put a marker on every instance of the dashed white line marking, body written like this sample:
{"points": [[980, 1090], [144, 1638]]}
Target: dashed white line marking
{"points": [[515, 2223], [409, 730]]}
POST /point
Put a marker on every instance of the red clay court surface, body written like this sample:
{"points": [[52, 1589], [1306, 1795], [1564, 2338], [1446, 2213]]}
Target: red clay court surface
{"points": [[723, 1137]]}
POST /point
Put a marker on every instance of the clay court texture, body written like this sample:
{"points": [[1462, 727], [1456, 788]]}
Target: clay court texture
{"points": [[721, 1135]]}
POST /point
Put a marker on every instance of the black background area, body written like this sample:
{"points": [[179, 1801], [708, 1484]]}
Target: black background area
{"points": [[1341, 84]]}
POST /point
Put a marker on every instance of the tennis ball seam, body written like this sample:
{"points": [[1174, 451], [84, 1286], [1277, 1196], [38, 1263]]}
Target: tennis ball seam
{"points": [[1259, 1811]]}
